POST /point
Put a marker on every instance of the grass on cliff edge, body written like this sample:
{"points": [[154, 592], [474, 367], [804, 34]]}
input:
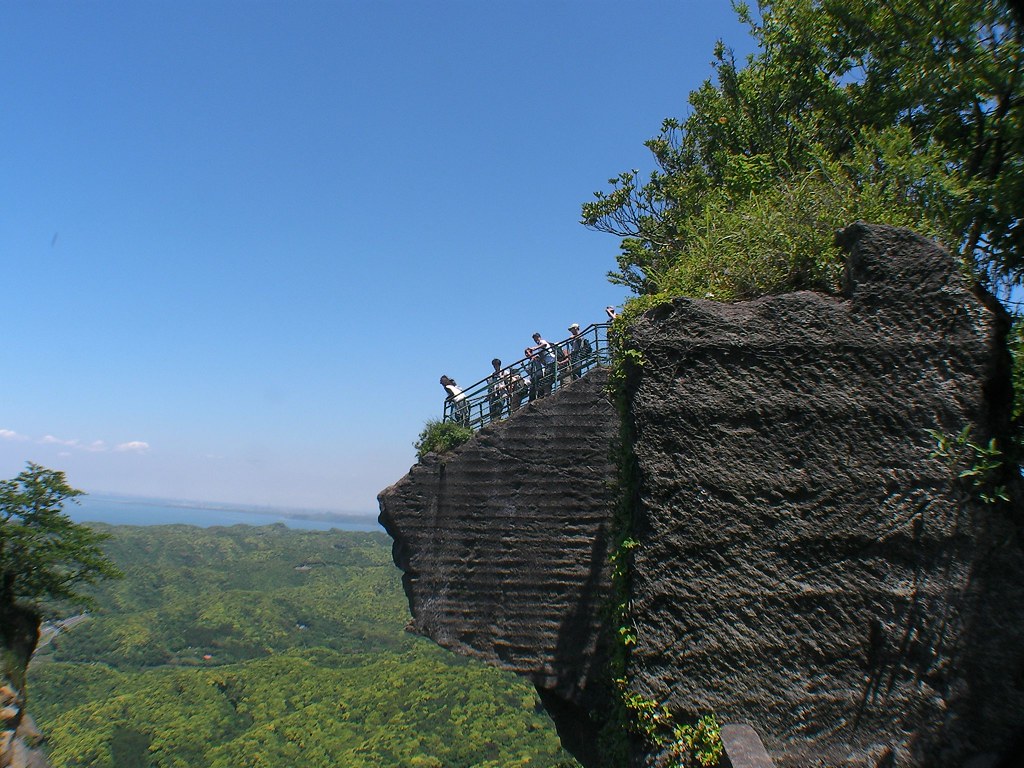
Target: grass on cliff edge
{"points": [[440, 437]]}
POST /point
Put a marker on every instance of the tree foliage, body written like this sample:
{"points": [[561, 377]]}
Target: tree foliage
{"points": [[238, 647], [44, 556], [908, 112]]}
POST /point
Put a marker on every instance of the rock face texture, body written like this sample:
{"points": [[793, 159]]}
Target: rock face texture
{"points": [[504, 544], [19, 738], [805, 565]]}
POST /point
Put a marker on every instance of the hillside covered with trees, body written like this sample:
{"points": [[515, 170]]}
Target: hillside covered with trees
{"points": [[241, 646]]}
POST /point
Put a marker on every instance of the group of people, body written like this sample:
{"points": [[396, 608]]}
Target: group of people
{"points": [[534, 378], [544, 362]]}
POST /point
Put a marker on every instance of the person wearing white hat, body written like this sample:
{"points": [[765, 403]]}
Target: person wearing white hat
{"points": [[569, 365]]}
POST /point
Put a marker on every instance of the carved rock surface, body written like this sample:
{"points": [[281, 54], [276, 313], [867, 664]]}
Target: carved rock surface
{"points": [[805, 565], [504, 544]]}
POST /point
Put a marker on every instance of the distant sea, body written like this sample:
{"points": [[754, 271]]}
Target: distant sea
{"points": [[133, 511]]}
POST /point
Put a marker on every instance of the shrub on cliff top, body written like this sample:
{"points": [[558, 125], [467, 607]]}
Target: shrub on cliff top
{"points": [[441, 436]]}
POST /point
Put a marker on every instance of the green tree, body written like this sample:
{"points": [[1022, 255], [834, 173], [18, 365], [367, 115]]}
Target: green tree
{"points": [[44, 556], [907, 112]]}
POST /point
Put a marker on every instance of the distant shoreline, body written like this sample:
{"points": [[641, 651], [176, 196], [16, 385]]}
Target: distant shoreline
{"points": [[256, 509], [124, 510]]}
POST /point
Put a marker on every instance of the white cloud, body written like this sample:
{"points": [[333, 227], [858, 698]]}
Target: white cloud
{"points": [[95, 446], [136, 446], [51, 440]]}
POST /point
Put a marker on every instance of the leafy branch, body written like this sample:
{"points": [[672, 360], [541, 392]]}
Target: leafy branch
{"points": [[978, 466], [684, 744]]}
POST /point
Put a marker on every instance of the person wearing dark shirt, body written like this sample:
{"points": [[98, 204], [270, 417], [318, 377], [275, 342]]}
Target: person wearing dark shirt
{"points": [[496, 390], [545, 353]]}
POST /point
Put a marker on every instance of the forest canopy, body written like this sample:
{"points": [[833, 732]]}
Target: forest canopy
{"points": [[244, 647]]}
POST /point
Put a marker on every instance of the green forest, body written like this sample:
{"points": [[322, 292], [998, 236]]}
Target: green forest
{"points": [[242, 647]]}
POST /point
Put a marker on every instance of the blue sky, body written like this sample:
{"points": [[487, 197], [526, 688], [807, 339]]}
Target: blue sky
{"points": [[242, 240]]}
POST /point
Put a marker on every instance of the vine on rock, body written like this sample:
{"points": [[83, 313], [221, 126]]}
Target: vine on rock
{"points": [[680, 745]]}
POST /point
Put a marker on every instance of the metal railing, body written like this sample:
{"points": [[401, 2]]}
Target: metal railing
{"points": [[494, 398]]}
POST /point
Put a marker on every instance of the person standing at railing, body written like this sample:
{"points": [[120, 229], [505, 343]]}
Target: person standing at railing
{"points": [[496, 390], [534, 373], [517, 386], [460, 408], [580, 351], [543, 351], [564, 366], [572, 353]]}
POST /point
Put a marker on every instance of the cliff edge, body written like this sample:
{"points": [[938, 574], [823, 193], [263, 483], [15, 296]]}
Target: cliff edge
{"points": [[806, 563], [505, 542]]}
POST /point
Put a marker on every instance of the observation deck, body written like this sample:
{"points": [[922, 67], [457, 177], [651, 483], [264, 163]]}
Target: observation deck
{"points": [[494, 398]]}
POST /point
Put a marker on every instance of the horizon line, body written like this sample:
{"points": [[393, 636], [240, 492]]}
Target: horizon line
{"points": [[309, 513]]}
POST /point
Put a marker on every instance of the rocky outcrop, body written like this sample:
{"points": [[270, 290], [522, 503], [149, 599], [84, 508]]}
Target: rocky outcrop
{"points": [[504, 544], [19, 737], [806, 564]]}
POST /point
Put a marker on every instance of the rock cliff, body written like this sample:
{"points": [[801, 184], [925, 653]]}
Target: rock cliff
{"points": [[806, 564], [19, 738], [505, 542]]}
